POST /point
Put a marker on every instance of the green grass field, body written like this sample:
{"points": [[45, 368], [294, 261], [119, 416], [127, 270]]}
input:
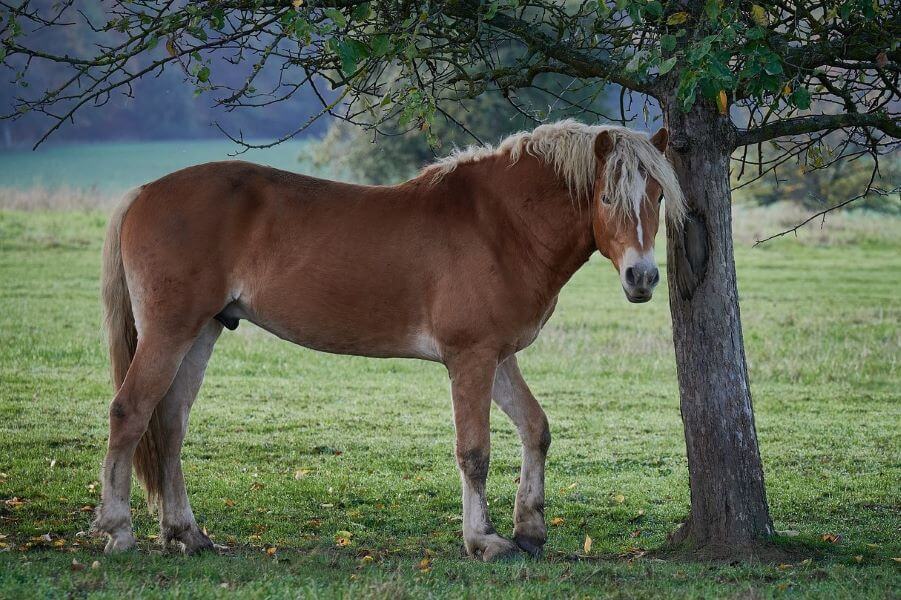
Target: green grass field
{"points": [[290, 450]]}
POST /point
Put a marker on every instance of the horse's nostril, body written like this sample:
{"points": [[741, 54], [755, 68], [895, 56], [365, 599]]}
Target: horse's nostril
{"points": [[630, 276], [655, 277]]}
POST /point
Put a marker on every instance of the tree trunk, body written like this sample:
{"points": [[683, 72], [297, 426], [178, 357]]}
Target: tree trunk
{"points": [[729, 514]]}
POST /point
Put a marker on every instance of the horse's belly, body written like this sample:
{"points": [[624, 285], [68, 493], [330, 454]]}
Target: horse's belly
{"points": [[362, 326]]}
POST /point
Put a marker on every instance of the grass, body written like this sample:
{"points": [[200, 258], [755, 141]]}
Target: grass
{"points": [[289, 449]]}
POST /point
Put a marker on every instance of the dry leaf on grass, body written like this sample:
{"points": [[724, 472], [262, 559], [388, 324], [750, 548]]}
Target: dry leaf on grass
{"points": [[587, 545], [557, 521]]}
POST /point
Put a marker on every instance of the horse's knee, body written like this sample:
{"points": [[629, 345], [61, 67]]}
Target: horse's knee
{"points": [[544, 436], [127, 424], [473, 463]]}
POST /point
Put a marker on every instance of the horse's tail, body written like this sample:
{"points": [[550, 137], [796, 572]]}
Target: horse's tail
{"points": [[118, 320], [122, 339]]}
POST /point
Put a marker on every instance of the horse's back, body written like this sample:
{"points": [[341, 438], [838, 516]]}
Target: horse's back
{"points": [[315, 261]]}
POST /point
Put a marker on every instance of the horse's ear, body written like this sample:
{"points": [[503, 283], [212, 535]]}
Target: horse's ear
{"points": [[603, 145], [660, 139]]}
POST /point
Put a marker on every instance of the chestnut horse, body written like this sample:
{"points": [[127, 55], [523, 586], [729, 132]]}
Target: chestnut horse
{"points": [[460, 265]]}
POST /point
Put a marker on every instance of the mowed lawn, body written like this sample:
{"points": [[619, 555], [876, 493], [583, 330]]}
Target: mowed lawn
{"points": [[334, 476]]}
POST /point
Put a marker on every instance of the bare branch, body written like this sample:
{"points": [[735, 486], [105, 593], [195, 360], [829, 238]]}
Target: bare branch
{"points": [[889, 124]]}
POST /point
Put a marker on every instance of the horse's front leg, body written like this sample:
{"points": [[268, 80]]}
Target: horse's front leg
{"points": [[514, 397], [471, 380]]}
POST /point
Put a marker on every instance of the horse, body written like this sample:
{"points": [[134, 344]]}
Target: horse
{"points": [[461, 265]]}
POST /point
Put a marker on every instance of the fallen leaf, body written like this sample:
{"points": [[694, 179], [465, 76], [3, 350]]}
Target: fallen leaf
{"points": [[557, 521], [271, 550], [896, 559], [301, 473], [784, 566], [95, 564], [76, 566], [619, 498], [858, 558], [587, 545], [366, 559], [296, 3], [342, 538], [831, 538], [425, 565]]}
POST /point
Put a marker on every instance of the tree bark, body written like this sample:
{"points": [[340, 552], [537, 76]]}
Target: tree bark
{"points": [[729, 512]]}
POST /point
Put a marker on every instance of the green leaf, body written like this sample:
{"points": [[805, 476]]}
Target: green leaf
{"points": [[668, 42], [361, 12], [756, 33], [773, 66], [336, 16], [667, 65], [801, 98], [712, 8], [677, 18], [302, 30], [654, 9], [203, 75], [380, 45], [351, 52]]}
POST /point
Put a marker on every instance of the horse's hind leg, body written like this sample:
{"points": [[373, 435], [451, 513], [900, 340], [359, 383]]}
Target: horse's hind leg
{"points": [[156, 361], [514, 397], [177, 523]]}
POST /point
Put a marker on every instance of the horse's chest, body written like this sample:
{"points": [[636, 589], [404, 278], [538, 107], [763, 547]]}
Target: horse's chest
{"points": [[531, 330]]}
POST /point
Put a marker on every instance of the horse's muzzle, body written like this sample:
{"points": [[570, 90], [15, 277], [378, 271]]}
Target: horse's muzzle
{"points": [[639, 282]]}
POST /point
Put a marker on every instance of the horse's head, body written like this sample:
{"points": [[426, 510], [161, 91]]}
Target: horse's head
{"points": [[631, 179]]}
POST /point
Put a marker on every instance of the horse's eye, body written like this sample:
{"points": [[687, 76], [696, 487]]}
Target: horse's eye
{"points": [[605, 199]]}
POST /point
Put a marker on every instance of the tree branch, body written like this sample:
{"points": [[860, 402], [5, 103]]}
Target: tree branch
{"points": [[825, 211], [583, 64], [888, 124]]}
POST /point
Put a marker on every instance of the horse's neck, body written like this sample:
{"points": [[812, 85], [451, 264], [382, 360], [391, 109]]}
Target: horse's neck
{"points": [[552, 230]]}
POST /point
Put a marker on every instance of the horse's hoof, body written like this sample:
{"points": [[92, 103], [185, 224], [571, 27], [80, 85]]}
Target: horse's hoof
{"points": [[121, 542], [500, 549], [192, 541], [533, 546]]}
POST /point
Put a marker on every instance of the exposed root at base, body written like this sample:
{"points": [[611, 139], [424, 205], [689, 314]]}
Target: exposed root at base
{"points": [[683, 546]]}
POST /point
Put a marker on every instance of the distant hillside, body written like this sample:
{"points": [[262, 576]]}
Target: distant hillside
{"points": [[162, 107]]}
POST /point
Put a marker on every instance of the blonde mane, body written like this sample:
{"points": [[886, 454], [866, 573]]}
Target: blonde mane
{"points": [[568, 146]]}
